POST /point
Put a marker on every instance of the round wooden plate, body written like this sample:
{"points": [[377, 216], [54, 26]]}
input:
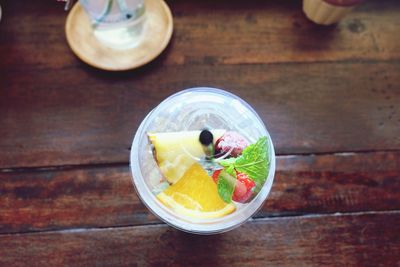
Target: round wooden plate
{"points": [[155, 38]]}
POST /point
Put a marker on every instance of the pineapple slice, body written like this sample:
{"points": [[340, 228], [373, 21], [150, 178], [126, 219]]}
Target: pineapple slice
{"points": [[175, 152]]}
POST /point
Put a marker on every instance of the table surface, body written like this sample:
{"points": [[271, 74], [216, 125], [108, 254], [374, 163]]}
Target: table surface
{"points": [[329, 96]]}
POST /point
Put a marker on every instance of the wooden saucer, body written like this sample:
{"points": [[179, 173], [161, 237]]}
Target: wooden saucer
{"points": [[154, 39]]}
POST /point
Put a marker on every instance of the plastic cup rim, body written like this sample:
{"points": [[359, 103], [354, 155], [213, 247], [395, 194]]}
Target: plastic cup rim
{"points": [[219, 225]]}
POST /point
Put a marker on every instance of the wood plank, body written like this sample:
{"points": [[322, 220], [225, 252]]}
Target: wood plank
{"points": [[55, 110], [104, 196], [238, 32], [334, 240], [83, 116], [223, 32]]}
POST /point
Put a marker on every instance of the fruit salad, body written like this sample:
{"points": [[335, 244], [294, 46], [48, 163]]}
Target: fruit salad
{"points": [[209, 173]]}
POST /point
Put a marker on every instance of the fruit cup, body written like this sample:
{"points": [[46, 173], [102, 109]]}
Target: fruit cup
{"points": [[203, 161]]}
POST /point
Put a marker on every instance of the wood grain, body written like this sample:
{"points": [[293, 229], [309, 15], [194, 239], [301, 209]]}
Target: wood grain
{"points": [[322, 96], [82, 116], [223, 32], [334, 240], [277, 31], [319, 89], [104, 196]]}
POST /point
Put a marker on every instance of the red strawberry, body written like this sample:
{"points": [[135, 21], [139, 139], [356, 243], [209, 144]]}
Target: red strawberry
{"points": [[244, 188], [215, 175], [232, 143]]}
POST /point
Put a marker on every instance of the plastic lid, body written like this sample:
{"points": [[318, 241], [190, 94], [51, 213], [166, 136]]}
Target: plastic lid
{"points": [[168, 142]]}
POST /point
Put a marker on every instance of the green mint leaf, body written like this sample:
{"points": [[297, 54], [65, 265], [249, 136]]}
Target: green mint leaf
{"points": [[227, 162], [254, 162], [226, 186], [231, 170]]}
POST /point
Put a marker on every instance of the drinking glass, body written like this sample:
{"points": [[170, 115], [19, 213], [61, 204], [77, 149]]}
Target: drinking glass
{"points": [[116, 23]]}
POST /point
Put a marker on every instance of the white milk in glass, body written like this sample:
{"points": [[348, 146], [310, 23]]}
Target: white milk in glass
{"points": [[116, 23]]}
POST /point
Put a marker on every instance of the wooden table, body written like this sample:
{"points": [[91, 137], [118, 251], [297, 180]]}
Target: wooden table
{"points": [[330, 97]]}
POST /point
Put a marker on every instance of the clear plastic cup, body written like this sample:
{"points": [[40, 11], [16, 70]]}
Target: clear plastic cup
{"points": [[190, 110]]}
